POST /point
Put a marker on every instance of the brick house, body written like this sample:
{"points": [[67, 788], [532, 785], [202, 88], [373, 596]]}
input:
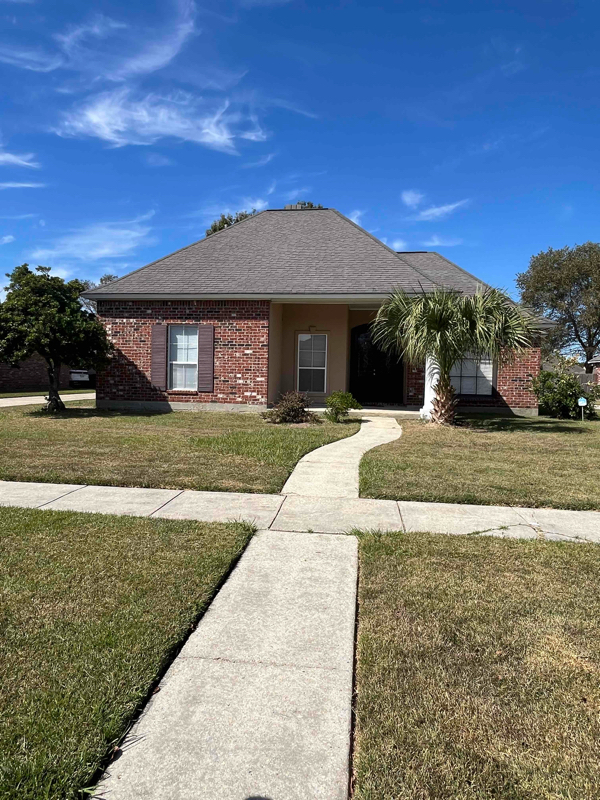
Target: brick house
{"points": [[30, 375], [282, 301]]}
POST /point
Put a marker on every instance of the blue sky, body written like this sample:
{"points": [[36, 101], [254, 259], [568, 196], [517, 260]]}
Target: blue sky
{"points": [[470, 128]]}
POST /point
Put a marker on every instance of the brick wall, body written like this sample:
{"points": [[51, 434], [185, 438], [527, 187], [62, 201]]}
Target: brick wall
{"points": [[241, 348], [29, 376], [415, 385], [512, 384]]}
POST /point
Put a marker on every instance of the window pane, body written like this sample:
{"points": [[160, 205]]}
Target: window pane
{"points": [[304, 376], [305, 341], [469, 367], [318, 359], [455, 371], [191, 379], [318, 380], [468, 386], [304, 359], [456, 383], [319, 342], [177, 376]]}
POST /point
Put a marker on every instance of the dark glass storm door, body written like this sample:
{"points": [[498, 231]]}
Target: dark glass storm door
{"points": [[375, 377]]}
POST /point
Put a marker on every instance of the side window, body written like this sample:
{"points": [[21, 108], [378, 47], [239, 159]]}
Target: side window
{"points": [[472, 376], [183, 357], [312, 362]]}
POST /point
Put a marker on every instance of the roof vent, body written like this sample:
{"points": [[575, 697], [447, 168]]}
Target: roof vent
{"points": [[303, 207]]}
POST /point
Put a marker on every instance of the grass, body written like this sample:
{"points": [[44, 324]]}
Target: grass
{"points": [[216, 451], [532, 461], [478, 669], [43, 392], [92, 608]]}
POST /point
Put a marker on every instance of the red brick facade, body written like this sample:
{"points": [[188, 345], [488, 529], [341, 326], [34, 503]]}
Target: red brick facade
{"points": [[415, 385], [29, 376], [241, 349], [512, 385]]}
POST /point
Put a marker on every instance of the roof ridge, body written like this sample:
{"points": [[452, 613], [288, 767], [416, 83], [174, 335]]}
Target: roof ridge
{"points": [[389, 249], [180, 250]]}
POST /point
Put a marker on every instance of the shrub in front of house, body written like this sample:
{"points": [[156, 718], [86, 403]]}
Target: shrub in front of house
{"points": [[339, 404], [291, 408], [558, 391]]}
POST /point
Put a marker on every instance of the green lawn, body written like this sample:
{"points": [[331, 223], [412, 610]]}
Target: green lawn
{"points": [[478, 669], [202, 450], [43, 392], [491, 461], [92, 609]]}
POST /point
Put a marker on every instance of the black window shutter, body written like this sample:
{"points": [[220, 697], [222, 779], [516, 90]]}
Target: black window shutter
{"points": [[206, 358], [158, 368]]}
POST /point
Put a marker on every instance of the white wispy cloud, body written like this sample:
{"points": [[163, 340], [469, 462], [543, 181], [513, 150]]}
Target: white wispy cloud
{"points": [[399, 244], [99, 240], [7, 239], [295, 194], [272, 187], [31, 59], [412, 198], [356, 215], [257, 203], [120, 118], [158, 160], [441, 241], [18, 159], [14, 185], [129, 53], [438, 212], [261, 162], [19, 216]]}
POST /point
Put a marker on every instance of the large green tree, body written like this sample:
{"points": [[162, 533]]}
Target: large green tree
{"points": [[564, 285], [227, 220], [444, 327], [43, 314]]}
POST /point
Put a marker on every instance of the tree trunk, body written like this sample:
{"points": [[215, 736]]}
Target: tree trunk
{"points": [[445, 402], [54, 403]]}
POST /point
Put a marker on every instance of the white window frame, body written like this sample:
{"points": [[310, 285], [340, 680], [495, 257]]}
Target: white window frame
{"points": [[171, 388], [461, 377], [298, 367]]}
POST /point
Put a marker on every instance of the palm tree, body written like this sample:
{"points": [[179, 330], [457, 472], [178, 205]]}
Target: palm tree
{"points": [[444, 327]]}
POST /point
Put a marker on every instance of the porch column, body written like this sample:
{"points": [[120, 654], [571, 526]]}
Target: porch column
{"points": [[432, 374]]}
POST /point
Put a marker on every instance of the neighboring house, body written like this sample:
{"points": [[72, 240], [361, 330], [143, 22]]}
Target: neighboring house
{"points": [[596, 363], [281, 301], [29, 375]]}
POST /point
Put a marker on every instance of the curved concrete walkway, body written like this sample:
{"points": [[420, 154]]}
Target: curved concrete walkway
{"points": [[38, 400], [332, 470]]}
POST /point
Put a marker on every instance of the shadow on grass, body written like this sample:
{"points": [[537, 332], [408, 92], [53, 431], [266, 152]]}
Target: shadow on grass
{"points": [[100, 413], [495, 424]]}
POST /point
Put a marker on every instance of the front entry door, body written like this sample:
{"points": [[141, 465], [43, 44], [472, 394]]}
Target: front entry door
{"points": [[375, 377]]}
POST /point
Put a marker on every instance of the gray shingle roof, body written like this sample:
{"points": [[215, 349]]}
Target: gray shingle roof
{"points": [[289, 252], [442, 271]]}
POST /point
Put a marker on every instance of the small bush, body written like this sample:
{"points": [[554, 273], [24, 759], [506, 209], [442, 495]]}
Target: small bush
{"points": [[292, 407], [338, 405], [558, 391]]}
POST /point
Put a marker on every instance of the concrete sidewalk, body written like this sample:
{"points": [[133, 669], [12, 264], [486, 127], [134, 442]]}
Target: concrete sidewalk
{"points": [[39, 400], [318, 514], [258, 703], [332, 470]]}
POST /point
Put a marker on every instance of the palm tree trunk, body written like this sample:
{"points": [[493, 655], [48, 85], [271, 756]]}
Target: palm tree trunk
{"points": [[444, 404]]}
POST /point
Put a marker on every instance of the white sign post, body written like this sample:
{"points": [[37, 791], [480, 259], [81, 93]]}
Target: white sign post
{"points": [[582, 401]]}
